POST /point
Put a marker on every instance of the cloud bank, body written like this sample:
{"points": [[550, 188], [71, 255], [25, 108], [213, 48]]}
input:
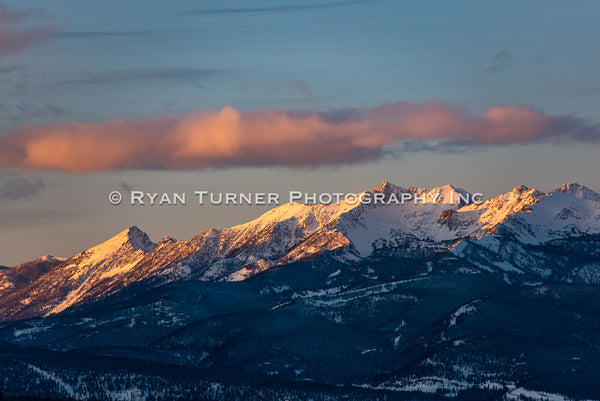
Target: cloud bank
{"points": [[274, 137]]}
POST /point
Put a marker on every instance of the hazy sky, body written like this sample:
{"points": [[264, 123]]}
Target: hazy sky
{"points": [[249, 96]]}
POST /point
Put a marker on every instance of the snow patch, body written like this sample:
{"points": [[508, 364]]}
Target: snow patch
{"points": [[466, 309]]}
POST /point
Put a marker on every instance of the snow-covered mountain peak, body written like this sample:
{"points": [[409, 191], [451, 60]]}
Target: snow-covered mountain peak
{"points": [[388, 188], [48, 258], [523, 191], [131, 239], [310, 217], [534, 217], [104, 262], [448, 194], [579, 191], [444, 195], [499, 208], [517, 199], [166, 241], [139, 239]]}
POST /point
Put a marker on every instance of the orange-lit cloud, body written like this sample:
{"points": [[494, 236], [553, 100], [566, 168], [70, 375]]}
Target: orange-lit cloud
{"points": [[272, 137]]}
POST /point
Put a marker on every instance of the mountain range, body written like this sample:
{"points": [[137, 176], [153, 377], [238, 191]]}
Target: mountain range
{"points": [[491, 300]]}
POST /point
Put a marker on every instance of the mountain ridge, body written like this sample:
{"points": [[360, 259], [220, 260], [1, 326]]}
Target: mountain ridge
{"points": [[294, 232], [495, 300]]}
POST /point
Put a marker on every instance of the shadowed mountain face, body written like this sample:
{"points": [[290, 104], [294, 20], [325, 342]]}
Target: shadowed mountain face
{"points": [[419, 295]]}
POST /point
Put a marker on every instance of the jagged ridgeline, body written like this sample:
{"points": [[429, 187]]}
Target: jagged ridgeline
{"points": [[428, 300]]}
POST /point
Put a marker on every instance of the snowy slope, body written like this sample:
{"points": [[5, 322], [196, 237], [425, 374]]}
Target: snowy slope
{"points": [[559, 214], [391, 221], [71, 280], [515, 226], [293, 232], [492, 236], [14, 278]]}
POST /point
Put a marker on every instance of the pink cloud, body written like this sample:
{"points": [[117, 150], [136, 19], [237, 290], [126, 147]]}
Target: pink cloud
{"points": [[270, 137]]}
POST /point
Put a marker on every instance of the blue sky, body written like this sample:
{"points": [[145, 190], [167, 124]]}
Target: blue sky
{"points": [[96, 61], [349, 55]]}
